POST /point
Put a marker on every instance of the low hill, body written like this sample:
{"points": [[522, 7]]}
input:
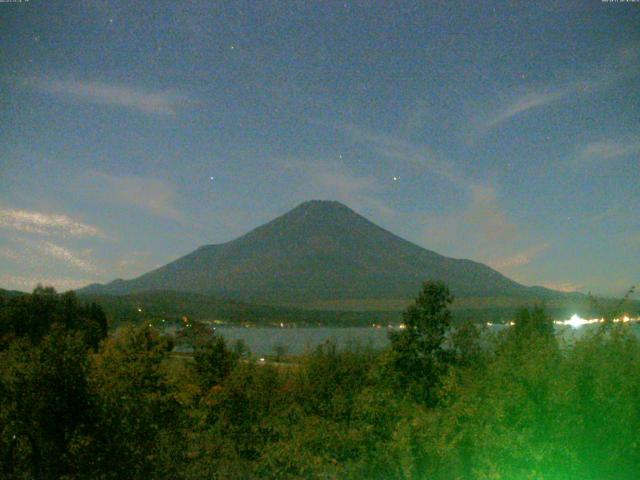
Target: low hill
{"points": [[171, 305], [10, 293], [153, 306]]}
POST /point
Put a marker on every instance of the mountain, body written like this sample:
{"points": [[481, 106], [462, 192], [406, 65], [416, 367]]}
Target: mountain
{"points": [[321, 251]]}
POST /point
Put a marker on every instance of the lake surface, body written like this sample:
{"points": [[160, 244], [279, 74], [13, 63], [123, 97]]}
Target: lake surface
{"points": [[264, 341]]}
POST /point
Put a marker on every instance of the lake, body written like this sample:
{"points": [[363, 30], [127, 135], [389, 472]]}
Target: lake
{"points": [[263, 341]]}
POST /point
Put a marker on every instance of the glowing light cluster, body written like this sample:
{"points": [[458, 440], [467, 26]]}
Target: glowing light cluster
{"points": [[576, 321]]}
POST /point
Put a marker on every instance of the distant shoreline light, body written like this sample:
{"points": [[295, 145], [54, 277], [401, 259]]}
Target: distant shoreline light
{"points": [[576, 321]]}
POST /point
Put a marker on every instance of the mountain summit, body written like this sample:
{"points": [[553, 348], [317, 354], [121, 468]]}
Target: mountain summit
{"points": [[319, 251]]}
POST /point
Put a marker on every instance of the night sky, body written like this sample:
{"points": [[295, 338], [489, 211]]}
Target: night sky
{"points": [[133, 132]]}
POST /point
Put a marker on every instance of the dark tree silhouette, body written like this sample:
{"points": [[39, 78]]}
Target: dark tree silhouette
{"points": [[419, 356]]}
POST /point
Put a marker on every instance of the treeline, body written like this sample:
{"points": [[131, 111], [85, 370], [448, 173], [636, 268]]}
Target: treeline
{"points": [[169, 305], [470, 405]]}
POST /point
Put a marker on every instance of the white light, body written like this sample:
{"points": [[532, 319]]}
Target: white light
{"points": [[575, 321]]}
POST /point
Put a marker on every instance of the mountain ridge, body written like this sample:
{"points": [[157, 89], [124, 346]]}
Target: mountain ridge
{"points": [[319, 250]]}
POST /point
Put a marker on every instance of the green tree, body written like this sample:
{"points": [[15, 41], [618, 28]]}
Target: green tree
{"points": [[213, 361], [533, 322], [140, 421], [418, 353], [32, 316], [466, 343], [608, 310], [45, 405]]}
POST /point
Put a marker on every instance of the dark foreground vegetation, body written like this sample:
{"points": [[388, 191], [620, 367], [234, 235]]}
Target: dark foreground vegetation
{"points": [[76, 403]]}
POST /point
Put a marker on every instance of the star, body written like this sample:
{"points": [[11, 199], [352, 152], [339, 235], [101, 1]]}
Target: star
{"points": [[210, 178], [395, 179]]}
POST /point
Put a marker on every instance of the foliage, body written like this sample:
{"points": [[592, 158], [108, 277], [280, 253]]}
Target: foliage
{"points": [[418, 350], [32, 316], [608, 311], [213, 362], [45, 405], [139, 417], [518, 404], [533, 322]]}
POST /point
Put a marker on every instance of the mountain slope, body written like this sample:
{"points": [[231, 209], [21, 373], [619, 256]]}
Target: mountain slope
{"points": [[320, 250]]}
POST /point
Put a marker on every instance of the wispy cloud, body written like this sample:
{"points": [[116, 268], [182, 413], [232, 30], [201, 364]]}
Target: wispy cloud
{"points": [[480, 228], [609, 149], [521, 258], [146, 101], [420, 156], [485, 213], [37, 253], [521, 104], [521, 100], [65, 255], [482, 217], [46, 224], [153, 195]]}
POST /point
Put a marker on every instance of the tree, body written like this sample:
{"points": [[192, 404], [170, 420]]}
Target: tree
{"points": [[534, 322], [466, 344], [418, 353], [139, 418], [213, 361], [32, 316], [45, 407], [607, 312]]}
